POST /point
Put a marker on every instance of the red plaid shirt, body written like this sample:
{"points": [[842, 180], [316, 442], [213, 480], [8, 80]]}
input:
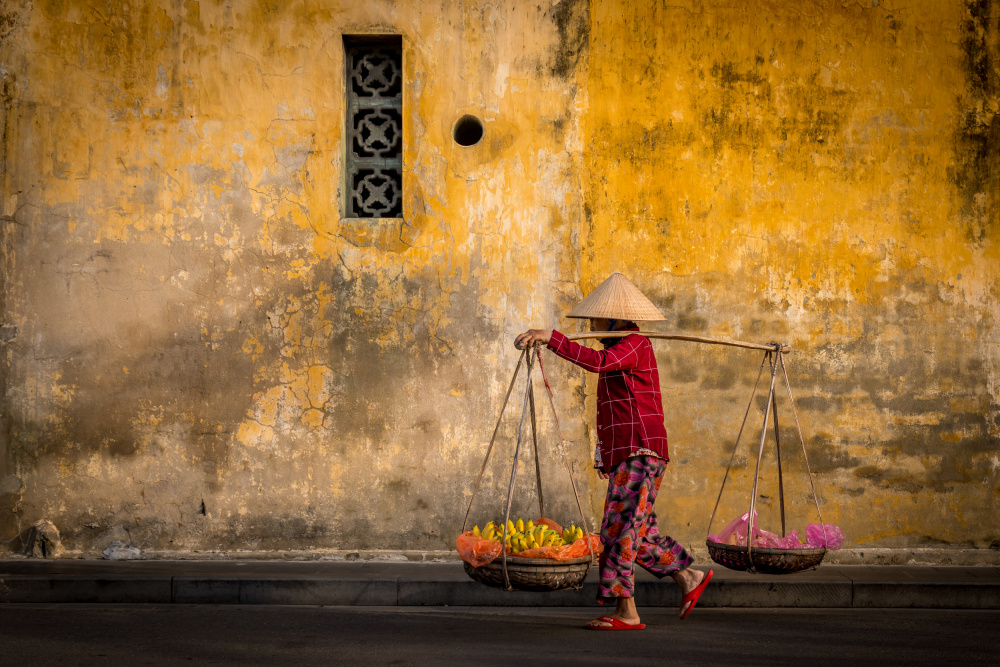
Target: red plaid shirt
{"points": [[629, 405]]}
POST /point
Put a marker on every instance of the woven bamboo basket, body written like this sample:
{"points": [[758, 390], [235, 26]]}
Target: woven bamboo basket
{"points": [[533, 574], [765, 561]]}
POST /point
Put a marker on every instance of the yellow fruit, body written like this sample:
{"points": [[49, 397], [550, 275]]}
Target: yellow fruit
{"points": [[475, 530], [530, 524], [519, 525], [510, 526], [488, 526]]}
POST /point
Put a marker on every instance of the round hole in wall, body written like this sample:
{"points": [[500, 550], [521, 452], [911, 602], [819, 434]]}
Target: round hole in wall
{"points": [[468, 131]]}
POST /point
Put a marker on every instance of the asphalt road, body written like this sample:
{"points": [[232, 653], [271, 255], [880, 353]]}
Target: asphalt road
{"points": [[478, 636]]}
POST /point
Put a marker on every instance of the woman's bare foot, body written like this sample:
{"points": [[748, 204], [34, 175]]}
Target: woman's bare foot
{"points": [[688, 580], [625, 611]]}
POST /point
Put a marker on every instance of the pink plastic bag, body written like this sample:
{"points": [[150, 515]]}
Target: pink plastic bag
{"points": [[735, 533], [772, 541], [834, 536]]}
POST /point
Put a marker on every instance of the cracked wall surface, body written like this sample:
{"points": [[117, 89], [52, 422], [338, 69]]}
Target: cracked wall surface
{"points": [[200, 353]]}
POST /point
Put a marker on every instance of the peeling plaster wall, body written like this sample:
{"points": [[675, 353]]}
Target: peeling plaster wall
{"points": [[824, 174], [200, 351]]}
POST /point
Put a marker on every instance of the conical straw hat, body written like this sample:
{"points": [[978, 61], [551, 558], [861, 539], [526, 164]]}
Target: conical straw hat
{"points": [[617, 299]]}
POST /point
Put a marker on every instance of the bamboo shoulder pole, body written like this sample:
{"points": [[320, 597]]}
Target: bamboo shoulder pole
{"points": [[694, 339]]}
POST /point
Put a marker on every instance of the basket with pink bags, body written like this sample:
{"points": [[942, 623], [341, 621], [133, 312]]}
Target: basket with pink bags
{"points": [[742, 544]]}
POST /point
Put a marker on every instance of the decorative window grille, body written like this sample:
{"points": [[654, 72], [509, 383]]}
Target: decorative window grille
{"points": [[374, 167]]}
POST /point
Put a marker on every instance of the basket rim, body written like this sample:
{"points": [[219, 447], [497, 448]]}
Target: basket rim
{"points": [[548, 562], [766, 551]]}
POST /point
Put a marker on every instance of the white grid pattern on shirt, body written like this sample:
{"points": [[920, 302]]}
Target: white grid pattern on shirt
{"points": [[620, 364]]}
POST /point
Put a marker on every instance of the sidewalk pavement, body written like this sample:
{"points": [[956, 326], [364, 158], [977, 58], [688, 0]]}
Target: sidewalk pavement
{"points": [[439, 584]]}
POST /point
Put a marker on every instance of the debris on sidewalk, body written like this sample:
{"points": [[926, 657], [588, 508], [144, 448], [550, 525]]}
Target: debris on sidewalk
{"points": [[44, 540], [119, 550]]}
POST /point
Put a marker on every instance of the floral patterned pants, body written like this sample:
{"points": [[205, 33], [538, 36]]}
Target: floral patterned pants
{"points": [[629, 532]]}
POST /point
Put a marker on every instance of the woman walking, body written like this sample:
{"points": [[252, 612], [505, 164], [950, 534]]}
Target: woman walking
{"points": [[631, 449]]}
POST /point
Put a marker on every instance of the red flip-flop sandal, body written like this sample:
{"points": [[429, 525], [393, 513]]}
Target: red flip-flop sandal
{"points": [[693, 596], [616, 624]]}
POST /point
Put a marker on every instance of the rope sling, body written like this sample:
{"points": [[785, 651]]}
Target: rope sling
{"points": [[762, 559], [531, 573], [543, 574]]}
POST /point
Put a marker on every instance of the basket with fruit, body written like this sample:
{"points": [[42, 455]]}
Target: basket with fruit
{"points": [[515, 554], [540, 556]]}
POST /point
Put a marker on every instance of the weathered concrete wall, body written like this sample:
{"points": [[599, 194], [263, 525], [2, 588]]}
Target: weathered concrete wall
{"points": [[209, 357]]}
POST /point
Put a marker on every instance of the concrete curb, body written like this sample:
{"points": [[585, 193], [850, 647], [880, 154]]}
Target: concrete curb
{"points": [[412, 584]]}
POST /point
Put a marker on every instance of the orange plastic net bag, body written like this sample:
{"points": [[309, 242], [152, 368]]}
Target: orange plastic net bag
{"points": [[477, 551]]}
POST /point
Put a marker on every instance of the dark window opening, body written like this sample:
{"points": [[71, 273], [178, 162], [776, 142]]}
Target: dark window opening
{"points": [[374, 165]]}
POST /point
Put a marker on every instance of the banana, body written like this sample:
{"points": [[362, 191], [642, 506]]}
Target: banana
{"points": [[522, 536]]}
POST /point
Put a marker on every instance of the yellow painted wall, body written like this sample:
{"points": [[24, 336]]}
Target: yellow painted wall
{"points": [[208, 356], [825, 175]]}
